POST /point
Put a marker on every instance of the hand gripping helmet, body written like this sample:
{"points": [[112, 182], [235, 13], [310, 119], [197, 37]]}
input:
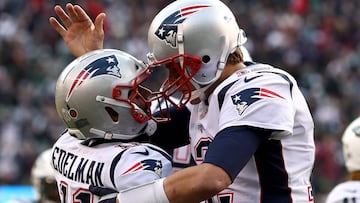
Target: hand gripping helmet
{"points": [[43, 178], [351, 146], [96, 96], [197, 34]]}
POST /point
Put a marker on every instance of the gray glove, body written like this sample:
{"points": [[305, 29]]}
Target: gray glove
{"points": [[107, 195]]}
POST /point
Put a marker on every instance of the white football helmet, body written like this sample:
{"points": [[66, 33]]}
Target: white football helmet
{"points": [[43, 178], [351, 146], [98, 96], [196, 36]]}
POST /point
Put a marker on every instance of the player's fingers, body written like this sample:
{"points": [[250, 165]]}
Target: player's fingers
{"points": [[57, 26], [99, 23], [72, 12], [81, 14], [65, 19]]}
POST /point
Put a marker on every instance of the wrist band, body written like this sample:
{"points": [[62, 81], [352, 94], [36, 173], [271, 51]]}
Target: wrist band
{"points": [[152, 192]]}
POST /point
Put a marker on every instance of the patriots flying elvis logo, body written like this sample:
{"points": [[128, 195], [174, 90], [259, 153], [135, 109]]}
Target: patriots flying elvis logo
{"points": [[107, 65], [168, 29], [243, 99], [147, 164]]}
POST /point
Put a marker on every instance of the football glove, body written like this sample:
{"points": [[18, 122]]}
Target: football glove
{"points": [[107, 195]]}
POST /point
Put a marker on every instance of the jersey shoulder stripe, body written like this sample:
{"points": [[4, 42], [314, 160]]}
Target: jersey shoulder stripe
{"points": [[159, 153], [222, 93], [285, 77], [162, 152], [113, 165]]}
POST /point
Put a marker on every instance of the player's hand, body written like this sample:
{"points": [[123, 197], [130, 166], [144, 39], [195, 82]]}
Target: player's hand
{"points": [[107, 195], [80, 34]]}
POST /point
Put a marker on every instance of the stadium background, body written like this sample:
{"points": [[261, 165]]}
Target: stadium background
{"points": [[317, 41]]}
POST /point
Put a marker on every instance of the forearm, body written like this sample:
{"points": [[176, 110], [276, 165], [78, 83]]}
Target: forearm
{"points": [[193, 184]]}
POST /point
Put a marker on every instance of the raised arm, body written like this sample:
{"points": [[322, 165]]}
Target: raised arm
{"points": [[80, 34]]}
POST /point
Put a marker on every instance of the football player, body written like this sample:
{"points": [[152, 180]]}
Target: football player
{"points": [[43, 179], [349, 191], [105, 143], [248, 122]]}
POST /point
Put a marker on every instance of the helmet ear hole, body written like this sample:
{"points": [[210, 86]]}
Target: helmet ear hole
{"points": [[112, 113], [205, 59]]}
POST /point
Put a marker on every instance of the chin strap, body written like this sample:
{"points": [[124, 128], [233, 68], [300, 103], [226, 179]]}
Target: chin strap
{"points": [[199, 92], [180, 42], [76, 133], [105, 135], [150, 127], [149, 130]]}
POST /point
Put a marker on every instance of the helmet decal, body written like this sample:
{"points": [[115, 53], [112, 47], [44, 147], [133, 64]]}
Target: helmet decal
{"points": [[147, 164], [242, 100], [84, 95], [108, 65], [168, 28]]}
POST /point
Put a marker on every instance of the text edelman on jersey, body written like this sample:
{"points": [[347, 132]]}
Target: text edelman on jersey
{"points": [[77, 168]]}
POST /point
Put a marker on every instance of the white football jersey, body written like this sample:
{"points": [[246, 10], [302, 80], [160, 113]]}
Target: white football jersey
{"points": [[264, 97], [113, 165], [348, 191]]}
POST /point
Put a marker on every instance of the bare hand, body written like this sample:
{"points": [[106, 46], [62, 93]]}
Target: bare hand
{"points": [[80, 34]]}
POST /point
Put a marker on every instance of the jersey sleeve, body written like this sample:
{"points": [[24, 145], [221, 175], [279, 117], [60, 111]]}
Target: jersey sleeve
{"points": [[264, 102], [140, 164]]}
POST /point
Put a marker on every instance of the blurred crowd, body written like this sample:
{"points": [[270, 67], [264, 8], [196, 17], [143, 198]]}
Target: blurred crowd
{"points": [[317, 41]]}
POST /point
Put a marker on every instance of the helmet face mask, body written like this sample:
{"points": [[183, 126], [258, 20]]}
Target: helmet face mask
{"points": [[97, 96], [202, 29], [166, 92], [180, 70], [136, 98]]}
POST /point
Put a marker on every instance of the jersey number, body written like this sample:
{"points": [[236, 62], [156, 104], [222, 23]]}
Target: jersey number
{"points": [[201, 149], [222, 198], [82, 195]]}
